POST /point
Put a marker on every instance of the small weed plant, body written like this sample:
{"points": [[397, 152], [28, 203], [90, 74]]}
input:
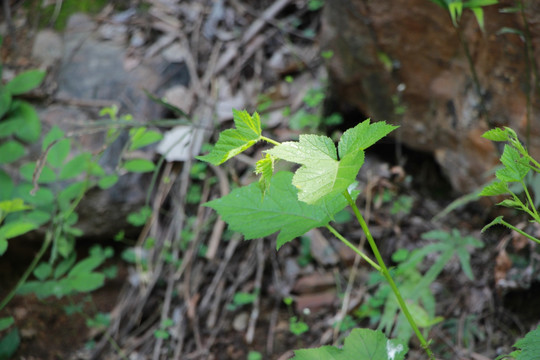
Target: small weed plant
{"points": [[293, 203], [511, 185], [46, 193]]}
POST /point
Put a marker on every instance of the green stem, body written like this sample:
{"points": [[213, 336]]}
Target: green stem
{"points": [[529, 199], [29, 270], [510, 226], [271, 141], [354, 248], [387, 276]]}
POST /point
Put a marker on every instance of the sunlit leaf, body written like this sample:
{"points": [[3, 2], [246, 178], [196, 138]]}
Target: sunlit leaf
{"points": [[234, 141], [25, 82]]}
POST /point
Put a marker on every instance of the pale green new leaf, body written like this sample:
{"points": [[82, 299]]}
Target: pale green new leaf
{"points": [[362, 344], [321, 174], [254, 214], [234, 141], [496, 134], [265, 168], [479, 14]]}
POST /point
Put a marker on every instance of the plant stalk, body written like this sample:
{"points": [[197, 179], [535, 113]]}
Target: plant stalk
{"points": [[388, 277], [354, 248]]}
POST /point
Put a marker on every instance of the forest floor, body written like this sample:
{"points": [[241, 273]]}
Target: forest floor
{"points": [[223, 297]]}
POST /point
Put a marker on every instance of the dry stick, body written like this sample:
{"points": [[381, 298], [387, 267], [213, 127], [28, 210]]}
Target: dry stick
{"points": [[219, 225], [258, 24], [229, 252], [214, 309], [250, 334], [184, 183]]}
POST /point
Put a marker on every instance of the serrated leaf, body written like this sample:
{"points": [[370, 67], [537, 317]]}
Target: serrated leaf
{"points": [[362, 344], [139, 165], [265, 168], [254, 214], [515, 167], [321, 174], [363, 136], [25, 81], [496, 134], [11, 151], [497, 221], [234, 141], [529, 346], [494, 189]]}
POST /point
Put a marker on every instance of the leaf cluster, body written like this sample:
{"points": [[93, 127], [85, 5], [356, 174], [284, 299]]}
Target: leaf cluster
{"points": [[512, 177], [455, 9]]}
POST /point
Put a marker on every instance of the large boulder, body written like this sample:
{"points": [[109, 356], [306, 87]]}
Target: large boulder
{"points": [[407, 54]]}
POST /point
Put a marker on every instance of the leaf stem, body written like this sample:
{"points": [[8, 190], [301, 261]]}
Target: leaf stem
{"points": [[28, 271], [271, 141], [510, 226], [530, 202], [354, 248], [387, 276]]}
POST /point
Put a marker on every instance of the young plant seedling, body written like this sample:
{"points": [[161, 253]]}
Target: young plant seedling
{"points": [[293, 204], [517, 163]]}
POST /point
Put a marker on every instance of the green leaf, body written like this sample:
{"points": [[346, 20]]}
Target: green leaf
{"points": [[8, 127], [86, 266], [46, 176], [321, 174], [86, 282], [265, 168], [139, 218], [28, 124], [63, 267], [496, 134], [6, 322], [6, 185], [5, 101], [141, 137], [3, 245], [25, 82], [455, 8], [363, 136], [529, 346], [139, 165], [16, 228], [11, 151], [497, 188], [14, 205], [43, 271], [59, 151], [107, 181], [234, 141], [362, 344], [75, 167], [9, 344], [255, 215], [515, 167], [479, 14]]}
